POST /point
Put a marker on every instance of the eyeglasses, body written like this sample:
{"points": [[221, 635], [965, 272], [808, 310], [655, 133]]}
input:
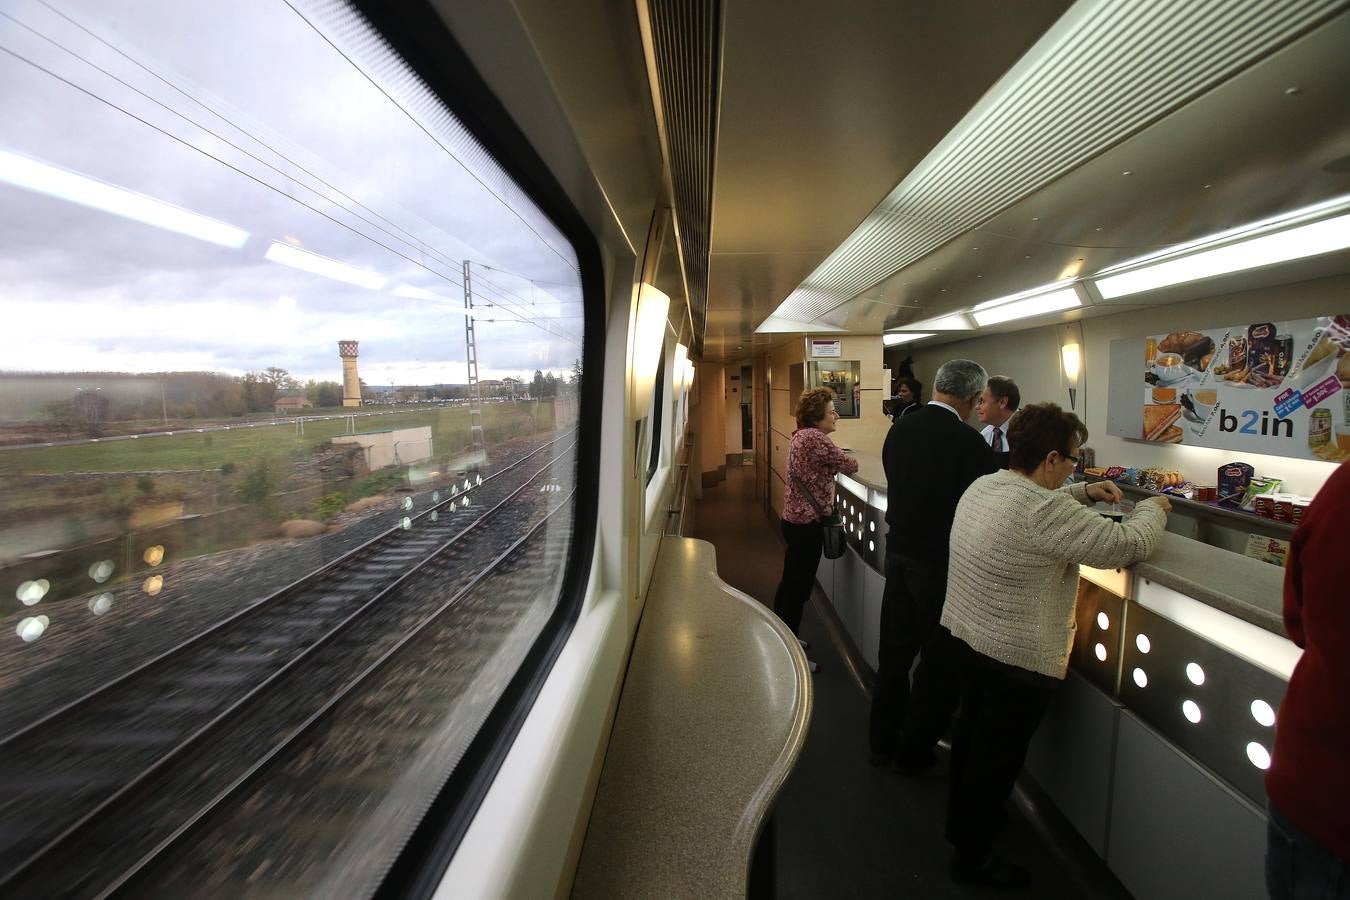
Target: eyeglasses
{"points": [[1073, 458]]}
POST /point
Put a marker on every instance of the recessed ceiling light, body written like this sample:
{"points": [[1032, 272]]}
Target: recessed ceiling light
{"points": [[890, 340], [1035, 218], [1028, 256], [1208, 186], [1293, 89], [953, 322], [1194, 261], [1029, 303], [1127, 172]]}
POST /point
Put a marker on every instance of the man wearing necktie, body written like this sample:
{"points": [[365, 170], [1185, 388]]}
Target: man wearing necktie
{"points": [[997, 405]]}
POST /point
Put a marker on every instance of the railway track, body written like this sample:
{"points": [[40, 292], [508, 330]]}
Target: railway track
{"points": [[149, 745], [327, 811]]}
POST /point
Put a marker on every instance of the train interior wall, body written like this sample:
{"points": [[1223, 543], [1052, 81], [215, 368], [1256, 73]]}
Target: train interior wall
{"points": [[1032, 359]]}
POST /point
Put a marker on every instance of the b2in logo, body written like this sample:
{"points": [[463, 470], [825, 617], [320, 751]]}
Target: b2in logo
{"points": [[1250, 419]]}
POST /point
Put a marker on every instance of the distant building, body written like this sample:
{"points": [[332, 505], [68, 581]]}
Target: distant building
{"points": [[351, 381], [290, 404], [511, 387], [491, 387]]}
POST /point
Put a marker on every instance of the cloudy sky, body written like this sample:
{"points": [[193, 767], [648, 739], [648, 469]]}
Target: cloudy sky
{"points": [[244, 114]]}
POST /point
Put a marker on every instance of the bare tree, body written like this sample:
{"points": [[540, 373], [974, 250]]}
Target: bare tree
{"points": [[91, 410]]}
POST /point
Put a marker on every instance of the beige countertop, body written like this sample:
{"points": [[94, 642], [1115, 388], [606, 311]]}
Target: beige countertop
{"points": [[1247, 588], [714, 676], [1243, 587]]}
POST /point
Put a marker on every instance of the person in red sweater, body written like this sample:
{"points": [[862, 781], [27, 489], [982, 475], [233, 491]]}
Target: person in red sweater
{"points": [[1308, 842]]}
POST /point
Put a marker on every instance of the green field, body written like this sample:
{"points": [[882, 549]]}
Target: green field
{"points": [[240, 445]]}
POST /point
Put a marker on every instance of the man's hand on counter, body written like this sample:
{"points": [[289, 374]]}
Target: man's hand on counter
{"points": [[1105, 491]]}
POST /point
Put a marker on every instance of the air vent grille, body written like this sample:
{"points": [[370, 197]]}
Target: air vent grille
{"points": [[1104, 72], [686, 41]]}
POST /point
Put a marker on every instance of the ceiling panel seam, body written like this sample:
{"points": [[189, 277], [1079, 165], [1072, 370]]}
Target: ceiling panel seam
{"points": [[1115, 70]]}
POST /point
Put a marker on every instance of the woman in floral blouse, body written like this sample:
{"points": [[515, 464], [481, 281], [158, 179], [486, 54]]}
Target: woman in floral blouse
{"points": [[813, 461]]}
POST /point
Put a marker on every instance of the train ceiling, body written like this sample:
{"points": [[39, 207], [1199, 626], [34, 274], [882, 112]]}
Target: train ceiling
{"points": [[829, 193]]}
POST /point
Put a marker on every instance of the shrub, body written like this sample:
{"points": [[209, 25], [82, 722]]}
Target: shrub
{"points": [[377, 483], [329, 505], [258, 483], [228, 468], [145, 484]]}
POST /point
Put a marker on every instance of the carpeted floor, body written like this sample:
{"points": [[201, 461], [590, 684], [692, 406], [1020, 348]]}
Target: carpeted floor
{"points": [[842, 827]]}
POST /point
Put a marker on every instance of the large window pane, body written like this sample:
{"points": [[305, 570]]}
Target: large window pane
{"points": [[288, 389]]}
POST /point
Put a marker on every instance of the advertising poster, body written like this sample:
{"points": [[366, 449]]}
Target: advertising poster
{"points": [[1281, 388]]}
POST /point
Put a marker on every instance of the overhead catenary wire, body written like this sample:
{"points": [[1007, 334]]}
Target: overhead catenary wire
{"points": [[512, 314], [418, 245], [411, 118], [412, 239]]}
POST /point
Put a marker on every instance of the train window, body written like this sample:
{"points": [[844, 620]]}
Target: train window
{"points": [[655, 437], [290, 383]]}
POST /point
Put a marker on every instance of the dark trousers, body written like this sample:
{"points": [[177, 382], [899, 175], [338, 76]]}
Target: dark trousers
{"points": [[1001, 707], [911, 605], [1300, 868], [800, 561]]}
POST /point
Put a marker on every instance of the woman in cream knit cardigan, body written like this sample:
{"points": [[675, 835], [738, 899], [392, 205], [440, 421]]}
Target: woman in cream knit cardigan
{"points": [[1016, 543]]}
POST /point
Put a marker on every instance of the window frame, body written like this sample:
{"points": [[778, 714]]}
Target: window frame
{"points": [[417, 33]]}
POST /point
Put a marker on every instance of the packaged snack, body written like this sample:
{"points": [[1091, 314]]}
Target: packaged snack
{"points": [[1206, 493], [1265, 350], [1267, 549], [1233, 480], [1260, 486]]}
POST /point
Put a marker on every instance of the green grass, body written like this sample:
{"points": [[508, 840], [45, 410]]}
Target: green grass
{"points": [[190, 450]]}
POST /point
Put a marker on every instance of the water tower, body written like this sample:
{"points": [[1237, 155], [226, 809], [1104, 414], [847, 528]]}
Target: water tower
{"points": [[351, 382]]}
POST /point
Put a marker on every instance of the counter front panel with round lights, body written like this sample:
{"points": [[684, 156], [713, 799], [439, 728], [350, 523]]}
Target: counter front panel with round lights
{"points": [[1156, 746]]}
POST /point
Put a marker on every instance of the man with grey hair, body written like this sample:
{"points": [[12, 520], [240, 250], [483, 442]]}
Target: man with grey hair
{"points": [[931, 456]]}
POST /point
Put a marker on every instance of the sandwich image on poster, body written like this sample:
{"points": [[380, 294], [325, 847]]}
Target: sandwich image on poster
{"points": [[1160, 423]]}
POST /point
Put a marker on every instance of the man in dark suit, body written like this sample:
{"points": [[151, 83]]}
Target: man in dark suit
{"points": [[931, 456]]}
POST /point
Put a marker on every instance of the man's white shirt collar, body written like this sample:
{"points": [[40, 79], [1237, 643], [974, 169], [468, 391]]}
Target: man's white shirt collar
{"points": [[945, 406]]}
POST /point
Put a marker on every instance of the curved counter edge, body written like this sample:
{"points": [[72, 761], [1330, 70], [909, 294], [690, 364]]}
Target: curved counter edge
{"points": [[712, 669]]}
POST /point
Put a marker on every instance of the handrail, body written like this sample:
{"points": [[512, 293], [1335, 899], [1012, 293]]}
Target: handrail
{"points": [[679, 503]]}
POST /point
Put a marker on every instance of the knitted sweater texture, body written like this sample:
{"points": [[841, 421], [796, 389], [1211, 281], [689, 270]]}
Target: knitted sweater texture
{"points": [[1013, 576]]}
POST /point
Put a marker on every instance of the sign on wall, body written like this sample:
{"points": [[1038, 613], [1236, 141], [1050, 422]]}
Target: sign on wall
{"points": [[1281, 388], [825, 347]]}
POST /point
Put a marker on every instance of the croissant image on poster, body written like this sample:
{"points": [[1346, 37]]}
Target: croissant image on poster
{"points": [[1280, 388]]}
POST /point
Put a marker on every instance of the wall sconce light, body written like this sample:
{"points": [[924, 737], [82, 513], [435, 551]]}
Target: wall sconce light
{"points": [[649, 332], [677, 368], [1071, 358]]}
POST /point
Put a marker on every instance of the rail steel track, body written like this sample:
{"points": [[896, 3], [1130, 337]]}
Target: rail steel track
{"points": [[71, 777], [287, 820]]}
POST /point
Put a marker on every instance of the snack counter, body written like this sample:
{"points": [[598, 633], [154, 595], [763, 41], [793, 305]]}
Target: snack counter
{"points": [[1156, 746]]}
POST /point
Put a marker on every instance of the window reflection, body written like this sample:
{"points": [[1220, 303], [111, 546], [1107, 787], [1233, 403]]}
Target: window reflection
{"points": [[278, 332]]}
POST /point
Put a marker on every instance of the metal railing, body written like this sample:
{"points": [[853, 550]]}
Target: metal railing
{"points": [[678, 514]]}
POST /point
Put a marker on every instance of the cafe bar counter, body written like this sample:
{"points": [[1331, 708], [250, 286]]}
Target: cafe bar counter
{"points": [[1155, 747]]}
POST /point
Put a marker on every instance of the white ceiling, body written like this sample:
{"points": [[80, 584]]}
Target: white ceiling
{"points": [[825, 113]]}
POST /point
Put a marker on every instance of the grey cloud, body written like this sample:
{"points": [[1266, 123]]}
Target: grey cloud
{"points": [[60, 255]]}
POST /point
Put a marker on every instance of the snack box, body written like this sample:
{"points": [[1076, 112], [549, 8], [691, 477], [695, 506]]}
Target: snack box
{"points": [[1232, 483], [1264, 506], [1260, 487], [1206, 493]]}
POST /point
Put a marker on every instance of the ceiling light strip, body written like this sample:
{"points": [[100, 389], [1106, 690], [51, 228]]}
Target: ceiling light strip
{"points": [[1101, 74]]}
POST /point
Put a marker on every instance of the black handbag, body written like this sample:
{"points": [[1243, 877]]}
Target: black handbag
{"points": [[832, 525]]}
